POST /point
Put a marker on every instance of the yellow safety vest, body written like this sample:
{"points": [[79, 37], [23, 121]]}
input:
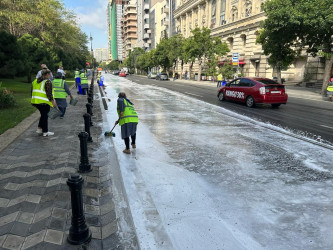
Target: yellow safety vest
{"points": [[39, 94], [59, 88], [129, 114], [84, 81], [219, 77], [77, 74]]}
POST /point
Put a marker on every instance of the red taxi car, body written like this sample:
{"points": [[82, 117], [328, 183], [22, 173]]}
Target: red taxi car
{"points": [[122, 73], [252, 91]]}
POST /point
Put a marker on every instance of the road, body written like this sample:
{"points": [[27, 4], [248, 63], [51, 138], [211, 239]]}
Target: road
{"points": [[308, 118], [203, 177]]}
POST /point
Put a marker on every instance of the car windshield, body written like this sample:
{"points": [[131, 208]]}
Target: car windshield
{"points": [[266, 81]]}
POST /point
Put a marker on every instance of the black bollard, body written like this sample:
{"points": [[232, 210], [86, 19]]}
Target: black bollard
{"points": [[87, 119], [90, 100], [89, 109], [79, 232], [84, 166]]}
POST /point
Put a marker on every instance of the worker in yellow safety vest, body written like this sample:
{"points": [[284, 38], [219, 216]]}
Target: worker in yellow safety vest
{"points": [[128, 120], [42, 99], [219, 80], [60, 92], [84, 82]]}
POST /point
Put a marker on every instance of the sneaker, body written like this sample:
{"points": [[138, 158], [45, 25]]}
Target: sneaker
{"points": [[48, 133], [61, 117], [127, 151], [133, 145], [39, 131]]}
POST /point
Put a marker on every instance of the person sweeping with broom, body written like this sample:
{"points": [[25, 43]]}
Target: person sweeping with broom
{"points": [[128, 120]]}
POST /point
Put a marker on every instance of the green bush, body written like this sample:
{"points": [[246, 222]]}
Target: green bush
{"points": [[7, 99], [69, 74]]}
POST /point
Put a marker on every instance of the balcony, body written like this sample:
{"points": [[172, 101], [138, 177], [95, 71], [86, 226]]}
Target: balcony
{"points": [[166, 10], [146, 7], [146, 45], [167, 22], [132, 36], [146, 16], [148, 31], [146, 26], [149, 41], [146, 36]]}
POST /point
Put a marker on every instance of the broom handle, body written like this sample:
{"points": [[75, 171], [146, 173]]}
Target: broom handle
{"points": [[113, 128]]}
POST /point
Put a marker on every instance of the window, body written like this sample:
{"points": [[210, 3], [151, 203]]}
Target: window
{"points": [[161, 10], [235, 83], [222, 14], [213, 16], [234, 13], [243, 37], [246, 83]]}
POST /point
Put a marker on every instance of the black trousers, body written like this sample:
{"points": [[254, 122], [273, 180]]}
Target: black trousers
{"points": [[43, 109], [127, 140]]}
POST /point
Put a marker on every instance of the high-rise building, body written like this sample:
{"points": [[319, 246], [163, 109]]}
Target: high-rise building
{"points": [[101, 55], [115, 13], [129, 27]]}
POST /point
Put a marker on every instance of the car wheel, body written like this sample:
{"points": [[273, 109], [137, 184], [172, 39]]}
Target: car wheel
{"points": [[221, 96], [276, 105], [250, 102]]}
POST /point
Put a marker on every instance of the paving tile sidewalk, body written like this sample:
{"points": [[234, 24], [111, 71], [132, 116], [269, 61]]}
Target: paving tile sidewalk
{"points": [[35, 207]]}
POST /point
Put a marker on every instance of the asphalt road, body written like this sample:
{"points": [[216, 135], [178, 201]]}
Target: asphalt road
{"points": [[310, 118]]}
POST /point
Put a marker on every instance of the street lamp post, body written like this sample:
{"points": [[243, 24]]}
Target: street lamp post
{"points": [[91, 51]]}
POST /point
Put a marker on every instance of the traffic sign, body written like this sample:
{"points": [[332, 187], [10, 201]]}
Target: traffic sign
{"points": [[235, 58]]}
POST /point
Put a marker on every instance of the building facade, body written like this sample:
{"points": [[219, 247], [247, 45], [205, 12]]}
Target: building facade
{"points": [[237, 23], [115, 13], [101, 55], [129, 27]]}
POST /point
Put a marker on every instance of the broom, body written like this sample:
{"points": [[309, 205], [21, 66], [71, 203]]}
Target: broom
{"points": [[113, 134]]}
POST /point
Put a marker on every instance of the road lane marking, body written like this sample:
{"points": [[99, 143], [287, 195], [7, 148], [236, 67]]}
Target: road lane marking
{"points": [[326, 126], [192, 94]]}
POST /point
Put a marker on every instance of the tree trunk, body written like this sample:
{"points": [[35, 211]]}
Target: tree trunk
{"points": [[328, 67], [199, 73], [278, 74], [181, 70], [29, 78]]}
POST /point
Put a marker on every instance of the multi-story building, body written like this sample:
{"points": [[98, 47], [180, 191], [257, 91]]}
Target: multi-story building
{"points": [[237, 23], [129, 27], [115, 12], [159, 21], [101, 55]]}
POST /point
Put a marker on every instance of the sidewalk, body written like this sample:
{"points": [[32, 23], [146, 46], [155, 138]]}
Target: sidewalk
{"points": [[35, 203]]}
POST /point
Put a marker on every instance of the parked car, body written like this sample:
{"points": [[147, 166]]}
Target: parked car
{"points": [[116, 72], [162, 76], [122, 73], [252, 91], [151, 75]]}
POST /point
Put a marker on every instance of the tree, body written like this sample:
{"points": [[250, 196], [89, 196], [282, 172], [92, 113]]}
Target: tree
{"points": [[34, 53], [162, 54], [133, 56], [279, 34], [10, 55], [113, 65], [202, 47], [317, 32]]}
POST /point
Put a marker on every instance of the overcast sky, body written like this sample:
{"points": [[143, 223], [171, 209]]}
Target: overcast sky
{"points": [[92, 18]]}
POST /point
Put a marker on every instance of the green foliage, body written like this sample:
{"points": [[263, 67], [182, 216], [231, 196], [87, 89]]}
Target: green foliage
{"points": [[113, 65], [54, 27], [212, 66], [10, 55], [6, 98], [132, 59], [227, 70]]}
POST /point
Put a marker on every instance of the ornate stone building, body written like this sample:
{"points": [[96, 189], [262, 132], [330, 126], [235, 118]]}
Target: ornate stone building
{"points": [[237, 23]]}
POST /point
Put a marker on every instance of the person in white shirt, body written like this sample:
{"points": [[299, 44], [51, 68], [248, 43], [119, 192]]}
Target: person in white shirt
{"points": [[39, 74], [61, 70]]}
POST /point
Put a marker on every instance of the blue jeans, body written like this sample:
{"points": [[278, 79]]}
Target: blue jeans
{"points": [[63, 111]]}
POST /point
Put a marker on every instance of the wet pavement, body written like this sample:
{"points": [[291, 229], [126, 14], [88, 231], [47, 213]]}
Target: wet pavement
{"points": [[208, 178], [35, 203]]}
